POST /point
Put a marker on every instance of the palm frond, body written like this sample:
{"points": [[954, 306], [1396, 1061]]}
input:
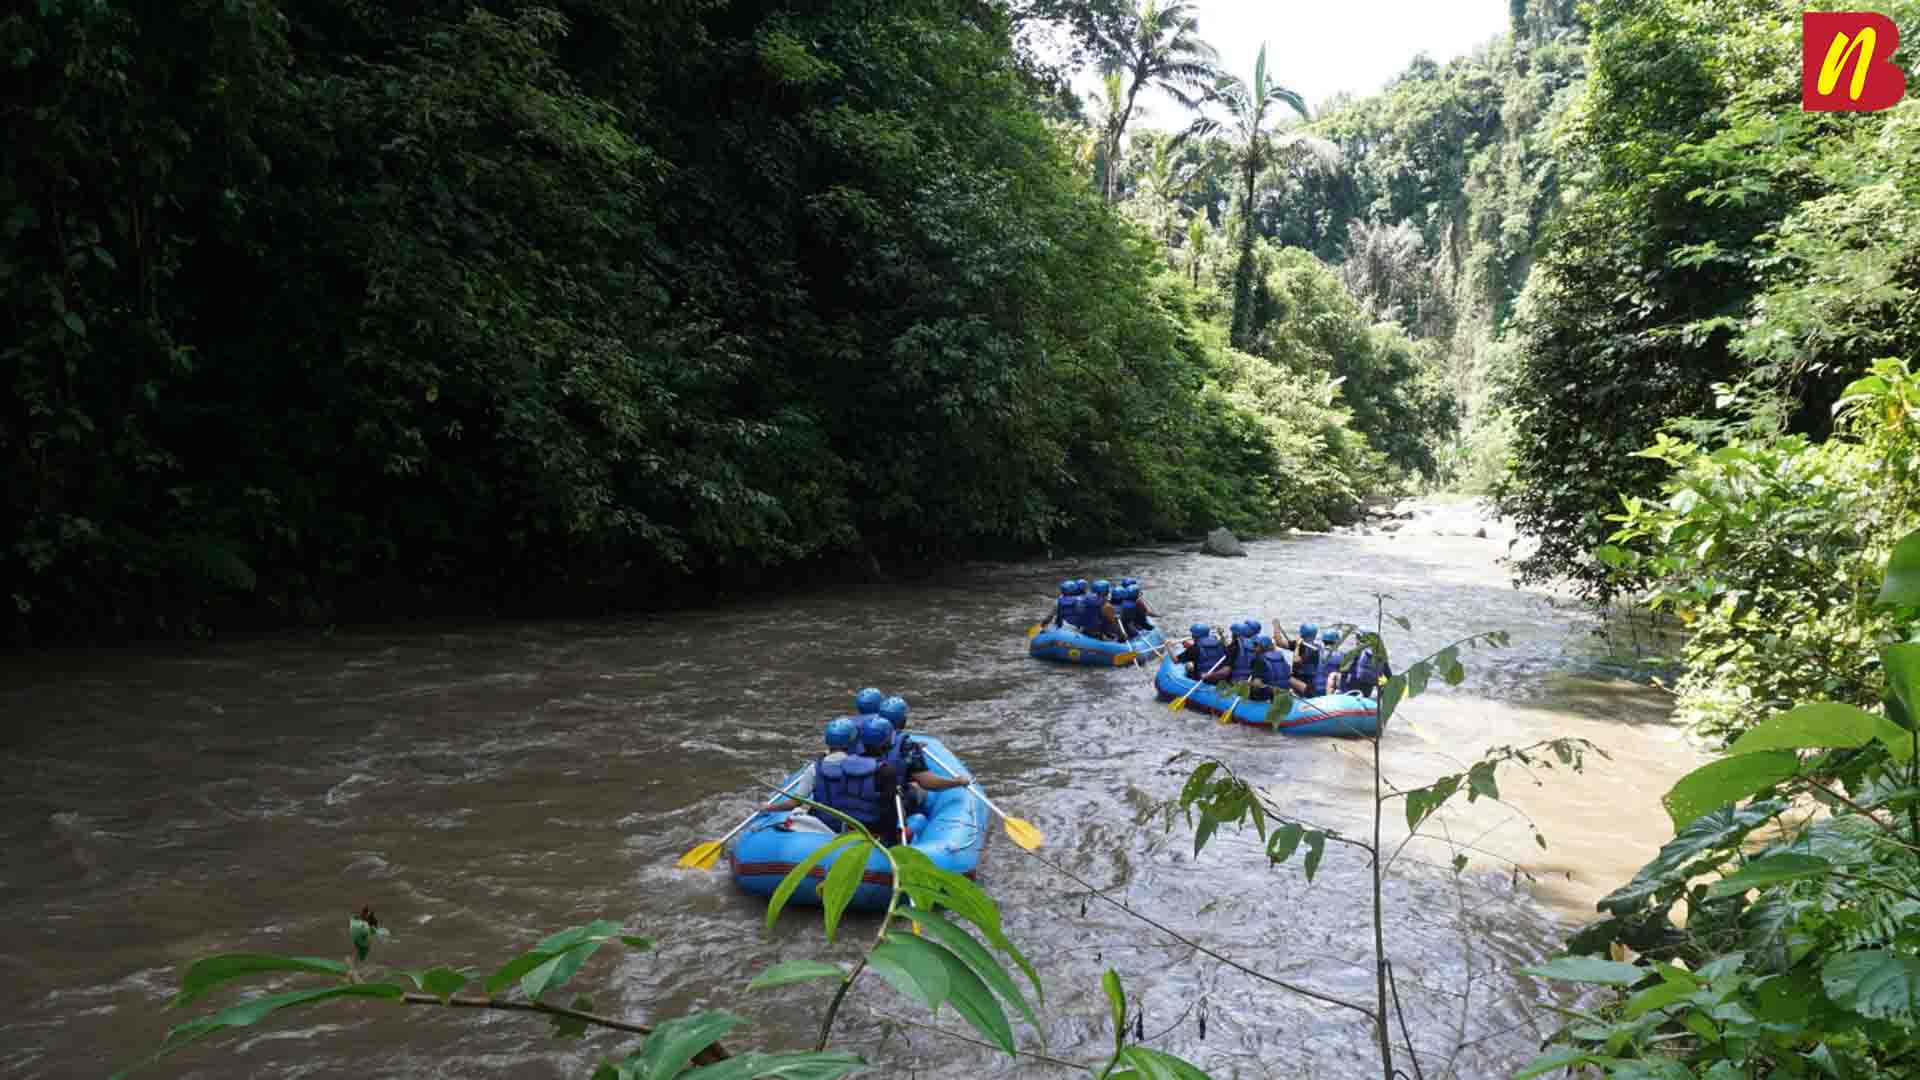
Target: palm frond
{"points": [[1308, 149], [1291, 99]]}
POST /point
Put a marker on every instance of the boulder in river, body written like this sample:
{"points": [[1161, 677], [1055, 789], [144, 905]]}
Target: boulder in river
{"points": [[1222, 542]]}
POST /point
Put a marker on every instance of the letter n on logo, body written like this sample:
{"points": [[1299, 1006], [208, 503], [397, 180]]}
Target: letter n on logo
{"points": [[1846, 62]]}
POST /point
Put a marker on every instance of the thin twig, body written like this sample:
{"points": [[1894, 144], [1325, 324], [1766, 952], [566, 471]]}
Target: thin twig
{"points": [[1405, 1035], [1043, 1058], [713, 1053], [1856, 807], [1196, 946], [840, 995]]}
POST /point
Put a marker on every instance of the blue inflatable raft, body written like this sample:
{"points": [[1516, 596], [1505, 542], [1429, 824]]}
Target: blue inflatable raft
{"points": [[1329, 714], [954, 837], [1070, 646]]}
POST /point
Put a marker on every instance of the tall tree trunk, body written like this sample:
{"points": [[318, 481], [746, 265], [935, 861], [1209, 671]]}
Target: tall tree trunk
{"points": [[1241, 336], [1112, 191]]}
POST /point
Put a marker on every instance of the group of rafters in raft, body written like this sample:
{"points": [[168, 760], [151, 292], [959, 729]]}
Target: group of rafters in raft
{"points": [[1318, 683]]}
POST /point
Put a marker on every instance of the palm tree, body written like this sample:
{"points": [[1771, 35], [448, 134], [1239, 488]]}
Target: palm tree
{"points": [[1167, 176], [1154, 46], [1106, 108], [1250, 108], [1199, 246]]}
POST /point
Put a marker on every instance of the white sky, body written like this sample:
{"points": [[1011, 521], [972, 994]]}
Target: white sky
{"points": [[1322, 47]]}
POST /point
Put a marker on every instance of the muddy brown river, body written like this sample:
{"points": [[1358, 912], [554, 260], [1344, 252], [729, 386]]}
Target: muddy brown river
{"points": [[482, 785]]}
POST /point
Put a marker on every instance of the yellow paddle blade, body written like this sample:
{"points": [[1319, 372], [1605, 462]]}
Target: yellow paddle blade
{"points": [[1022, 832], [1123, 659], [1033, 631], [1227, 717], [1180, 702], [702, 857]]}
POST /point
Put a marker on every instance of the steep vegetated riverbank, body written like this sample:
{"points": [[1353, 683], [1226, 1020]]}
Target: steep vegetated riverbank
{"points": [[432, 301]]}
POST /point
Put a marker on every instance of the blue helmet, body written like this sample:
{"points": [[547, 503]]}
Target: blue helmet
{"points": [[1330, 636], [867, 701], [1129, 581], [876, 732], [1102, 587], [1076, 587], [895, 710], [1254, 625], [1263, 642], [1308, 631], [839, 733], [1199, 629], [1239, 629], [1080, 584], [1066, 587]]}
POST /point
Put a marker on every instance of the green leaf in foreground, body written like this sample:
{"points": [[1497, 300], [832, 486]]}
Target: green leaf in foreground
{"points": [[808, 1066], [572, 1027], [793, 971], [1559, 1059], [210, 972], [1154, 1065], [253, 1010], [1116, 999], [442, 982], [1686, 854], [1785, 866], [1729, 780], [1316, 847], [1902, 665], [674, 1043], [1875, 983], [966, 992], [798, 874], [557, 970], [1902, 583], [843, 879], [961, 944], [1815, 725], [1587, 969], [1284, 841], [542, 955], [914, 968]]}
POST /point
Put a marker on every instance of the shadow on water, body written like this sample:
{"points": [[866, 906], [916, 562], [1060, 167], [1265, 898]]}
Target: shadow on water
{"points": [[480, 786]]}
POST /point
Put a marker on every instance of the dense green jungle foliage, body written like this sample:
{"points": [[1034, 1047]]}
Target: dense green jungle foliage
{"points": [[315, 303], [1430, 207], [1711, 233], [1793, 861]]}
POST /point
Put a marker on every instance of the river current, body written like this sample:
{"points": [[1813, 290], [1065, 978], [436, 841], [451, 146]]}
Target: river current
{"points": [[482, 785]]}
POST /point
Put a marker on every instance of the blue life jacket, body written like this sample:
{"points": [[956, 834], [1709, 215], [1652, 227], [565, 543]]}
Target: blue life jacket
{"points": [[1330, 664], [1210, 652], [1276, 667], [1089, 613], [1129, 613], [850, 785], [1307, 668], [896, 754], [1067, 610], [1242, 668], [1366, 673]]}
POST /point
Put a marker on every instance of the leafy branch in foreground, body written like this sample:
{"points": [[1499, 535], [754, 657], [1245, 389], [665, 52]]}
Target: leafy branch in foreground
{"points": [[1803, 958], [522, 984], [1214, 795]]}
